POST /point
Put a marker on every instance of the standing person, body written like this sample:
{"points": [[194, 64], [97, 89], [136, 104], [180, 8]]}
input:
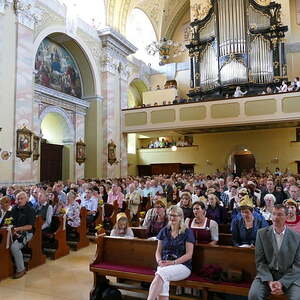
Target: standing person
{"points": [[173, 254], [23, 221], [277, 252], [5, 209], [133, 199], [115, 196]]}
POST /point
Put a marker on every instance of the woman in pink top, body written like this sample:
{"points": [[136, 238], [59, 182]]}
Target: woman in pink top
{"points": [[293, 219], [115, 195]]}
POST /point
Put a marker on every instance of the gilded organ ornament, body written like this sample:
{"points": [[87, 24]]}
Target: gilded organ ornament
{"points": [[200, 10]]}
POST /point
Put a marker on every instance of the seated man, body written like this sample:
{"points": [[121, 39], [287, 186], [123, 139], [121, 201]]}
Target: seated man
{"points": [[45, 210], [23, 222], [91, 205], [277, 254]]}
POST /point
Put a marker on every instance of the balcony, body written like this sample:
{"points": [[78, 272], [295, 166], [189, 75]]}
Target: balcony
{"points": [[237, 112]]}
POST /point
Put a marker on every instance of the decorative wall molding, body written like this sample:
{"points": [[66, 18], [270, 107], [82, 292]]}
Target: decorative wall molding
{"points": [[61, 96], [27, 12], [94, 98], [112, 39]]}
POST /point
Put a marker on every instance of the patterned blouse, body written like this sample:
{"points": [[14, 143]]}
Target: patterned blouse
{"points": [[73, 214]]}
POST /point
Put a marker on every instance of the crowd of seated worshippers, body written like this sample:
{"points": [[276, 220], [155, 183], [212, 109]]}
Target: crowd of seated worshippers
{"points": [[294, 86], [244, 203]]}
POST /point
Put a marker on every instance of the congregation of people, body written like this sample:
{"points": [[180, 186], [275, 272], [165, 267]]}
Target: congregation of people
{"points": [[285, 87], [261, 210]]}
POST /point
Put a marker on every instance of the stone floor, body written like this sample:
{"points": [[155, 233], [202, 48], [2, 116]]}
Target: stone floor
{"points": [[67, 278]]}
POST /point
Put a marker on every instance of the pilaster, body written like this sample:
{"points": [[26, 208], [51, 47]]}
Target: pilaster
{"points": [[115, 72]]}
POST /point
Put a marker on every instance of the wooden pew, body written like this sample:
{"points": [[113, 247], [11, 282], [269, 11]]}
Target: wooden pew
{"points": [[59, 238], [132, 265], [81, 239], [224, 228], [34, 246], [6, 269]]}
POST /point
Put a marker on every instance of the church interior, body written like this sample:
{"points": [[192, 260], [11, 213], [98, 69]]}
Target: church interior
{"points": [[98, 95]]}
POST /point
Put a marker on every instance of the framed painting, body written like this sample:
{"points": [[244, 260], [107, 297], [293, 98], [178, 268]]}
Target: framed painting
{"points": [[36, 148], [111, 153], [24, 143], [80, 152]]}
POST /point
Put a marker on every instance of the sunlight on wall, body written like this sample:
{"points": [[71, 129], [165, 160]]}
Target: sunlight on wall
{"points": [[91, 11], [54, 128], [131, 140], [140, 32]]}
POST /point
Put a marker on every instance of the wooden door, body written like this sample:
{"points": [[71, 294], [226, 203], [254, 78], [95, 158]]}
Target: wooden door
{"points": [[244, 163], [51, 162], [166, 169]]}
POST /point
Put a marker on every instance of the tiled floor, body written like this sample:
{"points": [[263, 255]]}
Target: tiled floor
{"points": [[67, 278]]}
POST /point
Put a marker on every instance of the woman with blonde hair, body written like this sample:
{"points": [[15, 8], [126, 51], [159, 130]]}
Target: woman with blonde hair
{"points": [[173, 254], [214, 210], [186, 204], [121, 228]]}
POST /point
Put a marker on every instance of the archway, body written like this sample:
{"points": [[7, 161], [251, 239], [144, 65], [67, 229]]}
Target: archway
{"points": [[57, 148], [135, 93], [241, 161]]}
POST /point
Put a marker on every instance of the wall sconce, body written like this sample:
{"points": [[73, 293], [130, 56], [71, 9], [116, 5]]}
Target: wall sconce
{"points": [[275, 160], [174, 148]]}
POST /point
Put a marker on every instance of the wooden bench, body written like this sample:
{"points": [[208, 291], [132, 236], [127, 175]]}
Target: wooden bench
{"points": [[59, 245], [133, 259], [7, 268], [34, 248], [80, 238]]}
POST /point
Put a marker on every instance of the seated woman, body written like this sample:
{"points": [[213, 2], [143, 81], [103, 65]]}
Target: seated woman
{"points": [[206, 231], [186, 204], [5, 209], [267, 210], [214, 210], [173, 254], [121, 228], [160, 219], [73, 212], [293, 219], [244, 229]]}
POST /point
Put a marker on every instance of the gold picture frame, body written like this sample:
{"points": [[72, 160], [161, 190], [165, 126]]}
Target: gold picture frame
{"points": [[24, 143], [36, 147], [111, 153], [80, 152]]}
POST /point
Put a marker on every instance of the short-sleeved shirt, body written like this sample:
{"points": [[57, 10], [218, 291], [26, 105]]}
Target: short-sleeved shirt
{"points": [[23, 215], [175, 247]]}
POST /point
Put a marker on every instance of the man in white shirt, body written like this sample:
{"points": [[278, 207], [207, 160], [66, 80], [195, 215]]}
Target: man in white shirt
{"points": [[91, 204], [277, 252]]}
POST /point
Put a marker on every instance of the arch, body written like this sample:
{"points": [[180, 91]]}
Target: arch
{"points": [[135, 92], [90, 60], [62, 113], [141, 32]]}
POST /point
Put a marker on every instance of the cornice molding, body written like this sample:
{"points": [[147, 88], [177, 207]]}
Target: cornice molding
{"points": [[61, 96], [112, 39]]}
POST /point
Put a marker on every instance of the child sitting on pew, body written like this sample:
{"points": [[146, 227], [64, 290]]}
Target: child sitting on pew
{"points": [[121, 228]]}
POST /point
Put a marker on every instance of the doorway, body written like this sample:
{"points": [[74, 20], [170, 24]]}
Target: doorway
{"points": [[51, 164], [57, 148], [244, 161]]}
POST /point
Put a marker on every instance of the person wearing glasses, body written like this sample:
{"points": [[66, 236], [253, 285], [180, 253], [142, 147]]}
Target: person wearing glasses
{"points": [[173, 254]]}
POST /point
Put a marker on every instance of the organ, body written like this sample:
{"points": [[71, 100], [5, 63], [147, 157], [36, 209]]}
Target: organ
{"points": [[235, 42]]}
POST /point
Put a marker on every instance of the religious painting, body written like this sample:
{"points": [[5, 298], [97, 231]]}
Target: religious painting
{"points": [[36, 148], [55, 68], [111, 157], [24, 140], [80, 152]]}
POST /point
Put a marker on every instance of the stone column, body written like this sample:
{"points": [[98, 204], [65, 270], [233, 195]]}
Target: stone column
{"points": [[114, 76], [26, 14], [79, 135]]}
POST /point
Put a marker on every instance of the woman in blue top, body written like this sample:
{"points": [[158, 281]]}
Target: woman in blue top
{"points": [[244, 228], [173, 254]]}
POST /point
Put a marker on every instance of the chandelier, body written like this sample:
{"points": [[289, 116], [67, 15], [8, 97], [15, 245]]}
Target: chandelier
{"points": [[166, 49]]}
